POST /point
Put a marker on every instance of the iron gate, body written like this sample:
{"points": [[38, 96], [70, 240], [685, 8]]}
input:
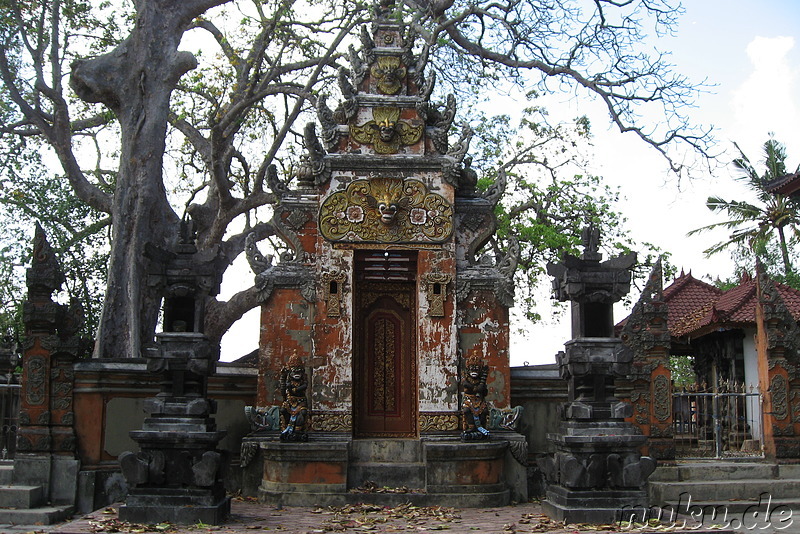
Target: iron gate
{"points": [[9, 412], [717, 422]]}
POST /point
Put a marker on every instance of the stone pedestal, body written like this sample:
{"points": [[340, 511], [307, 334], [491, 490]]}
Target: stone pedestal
{"points": [[176, 474], [597, 470]]}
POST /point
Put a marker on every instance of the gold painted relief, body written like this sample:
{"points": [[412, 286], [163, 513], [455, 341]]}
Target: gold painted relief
{"points": [[332, 422], [438, 422], [389, 74], [386, 132], [436, 291], [333, 289], [386, 210]]}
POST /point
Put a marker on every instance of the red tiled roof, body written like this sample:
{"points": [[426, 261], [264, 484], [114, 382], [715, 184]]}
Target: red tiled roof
{"points": [[685, 296], [785, 185], [696, 307]]}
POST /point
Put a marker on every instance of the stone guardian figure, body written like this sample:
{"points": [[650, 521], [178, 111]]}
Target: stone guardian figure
{"points": [[474, 408], [294, 410]]}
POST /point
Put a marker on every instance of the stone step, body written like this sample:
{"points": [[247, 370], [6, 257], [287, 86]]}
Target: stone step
{"points": [[724, 490], [789, 471], [17, 496], [489, 499], [386, 450], [391, 475], [45, 515], [6, 474], [700, 471], [734, 508]]}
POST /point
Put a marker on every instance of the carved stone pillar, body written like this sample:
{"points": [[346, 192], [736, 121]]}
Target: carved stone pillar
{"points": [[176, 475], [646, 334], [46, 436], [778, 348]]}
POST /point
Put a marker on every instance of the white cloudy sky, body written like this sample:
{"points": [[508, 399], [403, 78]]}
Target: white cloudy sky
{"points": [[750, 51]]}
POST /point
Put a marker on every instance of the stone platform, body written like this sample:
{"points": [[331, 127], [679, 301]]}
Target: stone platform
{"points": [[438, 471]]}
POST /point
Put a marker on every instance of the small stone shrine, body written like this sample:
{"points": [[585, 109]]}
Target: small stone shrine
{"points": [[597, 470], [176, 475], [380, 300]]}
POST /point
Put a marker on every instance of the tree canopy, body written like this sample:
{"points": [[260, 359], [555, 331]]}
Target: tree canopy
{"points": [[201, 107]]}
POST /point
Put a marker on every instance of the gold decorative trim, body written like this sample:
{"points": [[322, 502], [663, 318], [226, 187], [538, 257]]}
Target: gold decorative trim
{"points": [[439, 421], [386, 210], [332, 422], [389, 74]]}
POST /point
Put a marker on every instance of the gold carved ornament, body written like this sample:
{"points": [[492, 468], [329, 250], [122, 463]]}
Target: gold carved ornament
{"points": [[386, 210], [436, 291], [389, 74], [333, 289], [386, 132]]}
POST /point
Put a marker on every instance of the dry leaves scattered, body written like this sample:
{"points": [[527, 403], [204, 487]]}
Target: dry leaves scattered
{"points": [[366, 517], [371, 487], [112, 524]]}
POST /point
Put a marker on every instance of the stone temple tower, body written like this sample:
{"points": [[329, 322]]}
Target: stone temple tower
{"points": [[380, 301]]}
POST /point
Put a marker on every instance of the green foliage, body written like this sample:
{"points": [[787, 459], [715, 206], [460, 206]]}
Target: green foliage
{"points": [[263, 67], [30, 190], [549, 198], [682, 369]]}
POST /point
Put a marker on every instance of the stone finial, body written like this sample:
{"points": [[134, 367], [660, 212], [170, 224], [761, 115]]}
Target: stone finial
{"points": [[45, 274]]}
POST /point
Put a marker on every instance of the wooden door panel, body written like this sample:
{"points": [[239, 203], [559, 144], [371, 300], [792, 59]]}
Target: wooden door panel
{"points": [[385, 361]]}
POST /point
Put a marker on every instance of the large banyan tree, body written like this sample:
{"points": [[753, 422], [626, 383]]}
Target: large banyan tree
{"points": [[147, 133]]}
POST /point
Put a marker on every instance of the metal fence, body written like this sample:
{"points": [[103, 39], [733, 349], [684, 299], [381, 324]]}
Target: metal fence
{"points": [[9, 412], [717, 422]]}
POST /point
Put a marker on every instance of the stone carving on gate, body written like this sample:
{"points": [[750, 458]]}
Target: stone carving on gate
{"points": [[332, 422], [386, 132], [263, 418], [389, 73], [663, 398], [386, 210], [438, 422], [778, 389]]}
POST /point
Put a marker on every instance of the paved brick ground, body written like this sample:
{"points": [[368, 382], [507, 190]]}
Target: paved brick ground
{"points": [[248, 516]]}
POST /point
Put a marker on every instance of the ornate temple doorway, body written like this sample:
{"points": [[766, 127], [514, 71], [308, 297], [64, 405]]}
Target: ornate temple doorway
{"points": [[384, 345]]}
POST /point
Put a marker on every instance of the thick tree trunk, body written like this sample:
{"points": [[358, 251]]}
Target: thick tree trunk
{"points": [[787, 264], [135, 80]]}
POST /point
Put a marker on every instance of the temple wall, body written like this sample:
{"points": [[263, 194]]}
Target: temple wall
{"points": [[332, 364], [286, 326], [109, 402], [483, 331], [437, 357], [540, 391]]}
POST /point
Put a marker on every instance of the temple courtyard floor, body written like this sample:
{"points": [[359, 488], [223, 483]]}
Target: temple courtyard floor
{"points": [[247, 516]]}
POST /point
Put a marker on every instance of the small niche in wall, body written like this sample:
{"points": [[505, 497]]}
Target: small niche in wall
{"points": [[333, 284]]}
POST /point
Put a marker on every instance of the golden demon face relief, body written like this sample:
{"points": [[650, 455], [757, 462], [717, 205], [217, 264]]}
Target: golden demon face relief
{"points": [[386, 132], [386, 210], [389, 73]]}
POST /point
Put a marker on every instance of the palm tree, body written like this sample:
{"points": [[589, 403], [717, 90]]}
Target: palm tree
{"points": [[753, 225]]}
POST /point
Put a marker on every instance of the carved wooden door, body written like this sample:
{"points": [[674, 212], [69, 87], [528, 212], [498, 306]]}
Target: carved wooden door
{"points": [[385, 360]]}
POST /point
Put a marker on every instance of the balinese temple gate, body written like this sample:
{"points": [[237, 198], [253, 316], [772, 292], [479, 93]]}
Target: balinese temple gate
{"points": [[383, 358]]}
